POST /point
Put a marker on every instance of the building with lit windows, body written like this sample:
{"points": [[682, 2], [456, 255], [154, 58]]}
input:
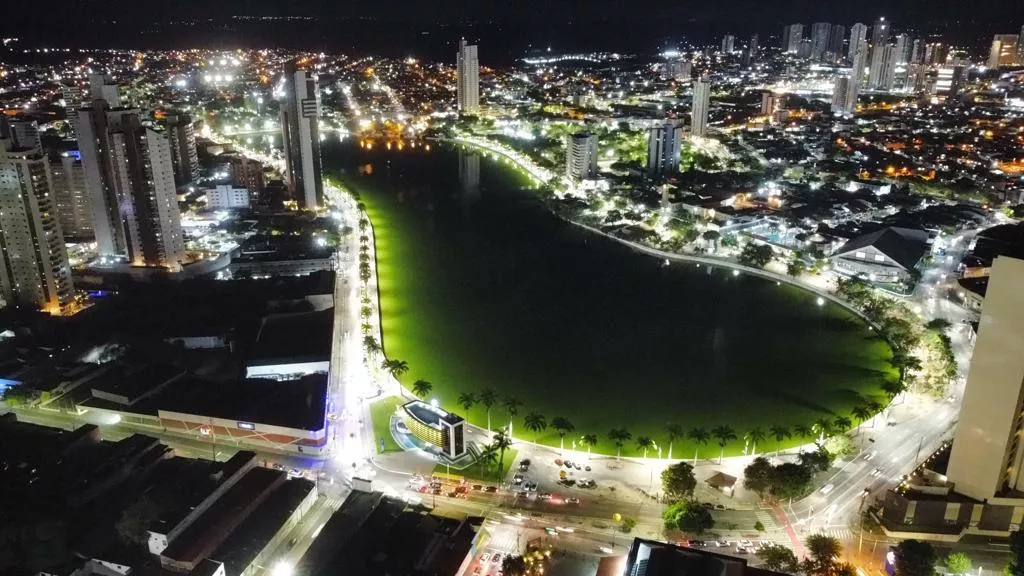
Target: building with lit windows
{"points": [[183, 147], [728, 43], [664, 144], [71, 197], [34, 270], [467, 77], [792, 35], [699, 112], [436, 426], [581, 156], [1004, 51], [858, 40], [300, 128]]}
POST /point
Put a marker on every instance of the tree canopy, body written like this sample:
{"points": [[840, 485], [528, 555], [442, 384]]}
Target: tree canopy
{"points": [[678, 481]]}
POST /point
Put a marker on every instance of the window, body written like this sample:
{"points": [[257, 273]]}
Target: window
{"points": [[861, 255], [879, 258]]}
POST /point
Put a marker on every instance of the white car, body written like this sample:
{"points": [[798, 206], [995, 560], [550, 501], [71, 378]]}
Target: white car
{"points": [[828, 488]]}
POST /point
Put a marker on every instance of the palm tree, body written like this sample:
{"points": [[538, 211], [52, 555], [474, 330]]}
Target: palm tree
{"points": [[842, 424], [675, 432], [644, 442], [371, 345], [700, 437], [366, 327], [803, 431], [619, 436], [823, 428], [488, 398], [563, 426], [724, 435], [396, 367], [500, 442], [754, 435], [422, 388], [488, 455], [535, 422], [512, 407], [466, 400], [861, 412], [590, 440], [876, 409], [780, 433]]}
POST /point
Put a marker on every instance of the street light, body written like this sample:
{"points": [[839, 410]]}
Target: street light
{"points": [[283, 568]]}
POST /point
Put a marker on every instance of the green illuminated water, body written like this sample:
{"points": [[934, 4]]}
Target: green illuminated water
{"points": [[482, 287]]}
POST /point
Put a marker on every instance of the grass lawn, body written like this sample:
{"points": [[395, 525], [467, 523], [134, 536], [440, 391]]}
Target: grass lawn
{"points": [[492, 292], [380, 413], [473, 473]]}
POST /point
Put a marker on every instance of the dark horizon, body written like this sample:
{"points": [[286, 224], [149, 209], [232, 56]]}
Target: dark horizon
{"points": [[391, 28]]}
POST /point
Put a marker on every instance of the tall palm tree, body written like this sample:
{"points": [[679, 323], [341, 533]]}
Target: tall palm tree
{"points": [[396, 367], [754, 435], [842, 424], [512, 407], [876, 409], [590, 440], [619, 436], [535, 422], [421, 388], [500, 442], [675, 432], [823, 428], [371, 345], [366, 327], [861, 412], [467, 400], [488, 455], [780, 433], [644, 442], [724, 435], [488, 398], [803, 431], [563, 427], [700, 437]]}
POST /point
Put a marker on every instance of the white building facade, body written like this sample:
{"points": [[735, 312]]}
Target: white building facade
{"points": [[467, 76]]}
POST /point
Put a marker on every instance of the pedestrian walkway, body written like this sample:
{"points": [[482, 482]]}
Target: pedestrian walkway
{"points": [[504, 541]]}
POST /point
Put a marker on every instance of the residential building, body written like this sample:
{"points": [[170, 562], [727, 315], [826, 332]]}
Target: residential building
{"points": [[247, 173], [728, 43], [183, 147], [916, 51], [987, 458], [227, 197], [300, 126], [880, 33], [72, 97], [858, 62], [103, 87], [678, 69], [753, 47], [791, 37], [34, 270], [820, 32], [839, 96], [950, 81], [129, 178], [772, 103], [71, 198], [1004, 51], [804, 50], [835, 43], [858, 40], [935, 53], [581, 156], [467, 78], [888, 255], [887, 74], [22, 133], [699, 110], [664, 143]]}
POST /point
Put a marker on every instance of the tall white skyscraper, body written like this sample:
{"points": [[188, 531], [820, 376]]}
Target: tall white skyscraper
{"points": [[581, 156], [858, 40], [699, 112], [73, 96], [859, 61], [71, 198], [34, 270], [728, 43], [467, 76], [820, 32], [842, 85], [887, 75], [300, 126], [792, 35], [129, 177], [988, 457], [664, 144]]}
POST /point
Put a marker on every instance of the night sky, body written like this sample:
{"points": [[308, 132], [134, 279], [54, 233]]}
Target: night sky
{"points": [[507, 26]]}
